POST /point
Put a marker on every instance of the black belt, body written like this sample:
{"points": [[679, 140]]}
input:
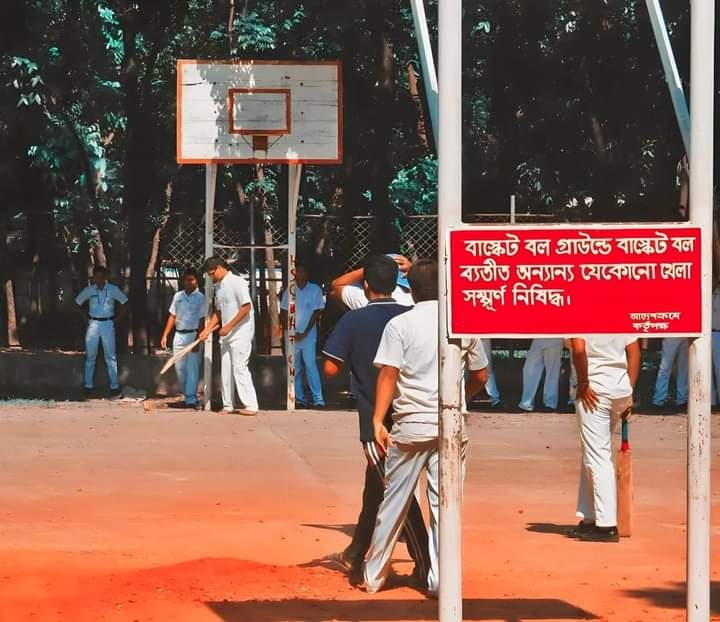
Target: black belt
{"points": [[102, 319], [192, 330]]}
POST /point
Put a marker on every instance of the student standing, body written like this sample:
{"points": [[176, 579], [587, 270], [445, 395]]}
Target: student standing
{"points": [[607, 370], [348, 287], [544, 354], [408, 380], [101, 297], [673, 348], [186, 317], [309, 304]]}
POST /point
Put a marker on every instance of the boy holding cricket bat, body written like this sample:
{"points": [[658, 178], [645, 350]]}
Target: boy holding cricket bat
{"points": [[607, 370], [186, 316]]}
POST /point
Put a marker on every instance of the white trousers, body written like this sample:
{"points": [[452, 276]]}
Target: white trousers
{"points": [[597, 492], [95, 333], [188, 367], [544, 354], [491, 385], [404, 463], [234, 359], [672, 348]]}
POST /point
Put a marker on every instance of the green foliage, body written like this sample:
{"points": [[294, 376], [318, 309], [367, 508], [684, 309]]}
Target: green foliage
{"points": [[414, 189]]}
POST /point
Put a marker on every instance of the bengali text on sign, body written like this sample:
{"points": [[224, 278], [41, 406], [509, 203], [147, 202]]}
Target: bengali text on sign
{"points": [[573, 281]]}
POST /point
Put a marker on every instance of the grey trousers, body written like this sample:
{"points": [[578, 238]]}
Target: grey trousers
{"points": [[403, 466]]}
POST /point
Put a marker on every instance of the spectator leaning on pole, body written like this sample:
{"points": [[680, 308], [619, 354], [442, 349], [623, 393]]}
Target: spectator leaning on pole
{"points": [[101, 297], [309, 305]]}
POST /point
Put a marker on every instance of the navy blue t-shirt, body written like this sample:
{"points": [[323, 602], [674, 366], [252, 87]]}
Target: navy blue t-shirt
{"points": [[354, 341]]}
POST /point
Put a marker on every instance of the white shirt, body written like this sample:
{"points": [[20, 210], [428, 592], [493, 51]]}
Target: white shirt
{"points": [[188, 309], [308, 299], [607, 365], [231, 294], [101, 301], [353, 296], [410, 343]]}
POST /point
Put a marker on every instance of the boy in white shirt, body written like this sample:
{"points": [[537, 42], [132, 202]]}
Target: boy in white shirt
{"points": [[348, 287], [101, 297], [233, 312], [186, 316], [607, 370], [408, 379]]}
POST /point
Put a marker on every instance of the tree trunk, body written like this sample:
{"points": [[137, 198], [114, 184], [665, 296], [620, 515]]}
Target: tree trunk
{"points": [[12, 334], [419, 108]]}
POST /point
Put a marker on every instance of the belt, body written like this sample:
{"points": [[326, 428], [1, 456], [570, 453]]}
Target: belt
{"points": [[102, 319], [191, 330]]}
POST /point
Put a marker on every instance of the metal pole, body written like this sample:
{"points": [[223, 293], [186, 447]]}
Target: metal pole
{"points": [[702, 33], [294, 173], [210, 183], [512, 209], [427, 63], [672, 76], [253, 270], [449, 141]]}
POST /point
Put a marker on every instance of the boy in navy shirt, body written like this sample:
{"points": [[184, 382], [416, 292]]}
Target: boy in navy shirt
{"points": [[354, 341]]}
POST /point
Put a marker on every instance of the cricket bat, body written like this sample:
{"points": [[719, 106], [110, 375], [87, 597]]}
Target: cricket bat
{"points": [[624, 482], [184, 352]]}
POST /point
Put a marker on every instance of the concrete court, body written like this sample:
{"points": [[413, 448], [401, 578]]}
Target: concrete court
{"points": [[109, 513]]}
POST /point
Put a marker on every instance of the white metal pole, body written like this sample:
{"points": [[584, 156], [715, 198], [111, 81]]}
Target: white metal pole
{"points": [[427, 62], [253, 268], [512, 209], [449, 141], [210, 183], [702, 33], [294, 173], [672, 76]]}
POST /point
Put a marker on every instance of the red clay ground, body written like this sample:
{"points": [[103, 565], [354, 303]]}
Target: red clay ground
{"points": [[107, 513]]}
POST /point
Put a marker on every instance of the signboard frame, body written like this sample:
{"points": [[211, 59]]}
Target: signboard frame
{"points": [[570, 227]]}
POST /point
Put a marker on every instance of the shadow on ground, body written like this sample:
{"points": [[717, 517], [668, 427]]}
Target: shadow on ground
{"points": [[560, 530], [347, 529], [675, 596], [314, 610]]}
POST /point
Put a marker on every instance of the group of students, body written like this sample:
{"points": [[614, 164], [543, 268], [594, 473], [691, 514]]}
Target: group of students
{"points": [[393, 358]]}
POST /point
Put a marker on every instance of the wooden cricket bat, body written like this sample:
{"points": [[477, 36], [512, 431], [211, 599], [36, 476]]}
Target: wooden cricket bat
{"points": [[624, 483], [184, 352]]}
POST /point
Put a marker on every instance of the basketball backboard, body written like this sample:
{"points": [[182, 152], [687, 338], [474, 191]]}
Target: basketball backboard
{"points": [[250, 111]]}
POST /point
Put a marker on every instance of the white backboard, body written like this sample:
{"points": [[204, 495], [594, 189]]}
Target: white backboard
{"points": [[250, 111]]}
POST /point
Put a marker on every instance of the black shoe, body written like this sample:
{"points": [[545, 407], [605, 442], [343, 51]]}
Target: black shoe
{"points": [[116, 394], [600, 534], [581, 527], [318, 406], [88, 392]]}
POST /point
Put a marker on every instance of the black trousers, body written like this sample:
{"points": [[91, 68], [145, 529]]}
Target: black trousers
{"points": [[414, 530]]}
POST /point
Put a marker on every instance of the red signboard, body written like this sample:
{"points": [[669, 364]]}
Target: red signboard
{"points": [[564, 281]]}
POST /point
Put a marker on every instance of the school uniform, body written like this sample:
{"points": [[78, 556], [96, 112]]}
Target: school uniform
{"points": [[354, 341], [231, 294], [308, 299], [608, 377], [101, 328], [544, 354], [672, 348], [409, 345], [353, 296], [188, 310]]}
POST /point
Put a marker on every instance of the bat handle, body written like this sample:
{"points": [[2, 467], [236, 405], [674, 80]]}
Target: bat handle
{"points": [[625, 435]]}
